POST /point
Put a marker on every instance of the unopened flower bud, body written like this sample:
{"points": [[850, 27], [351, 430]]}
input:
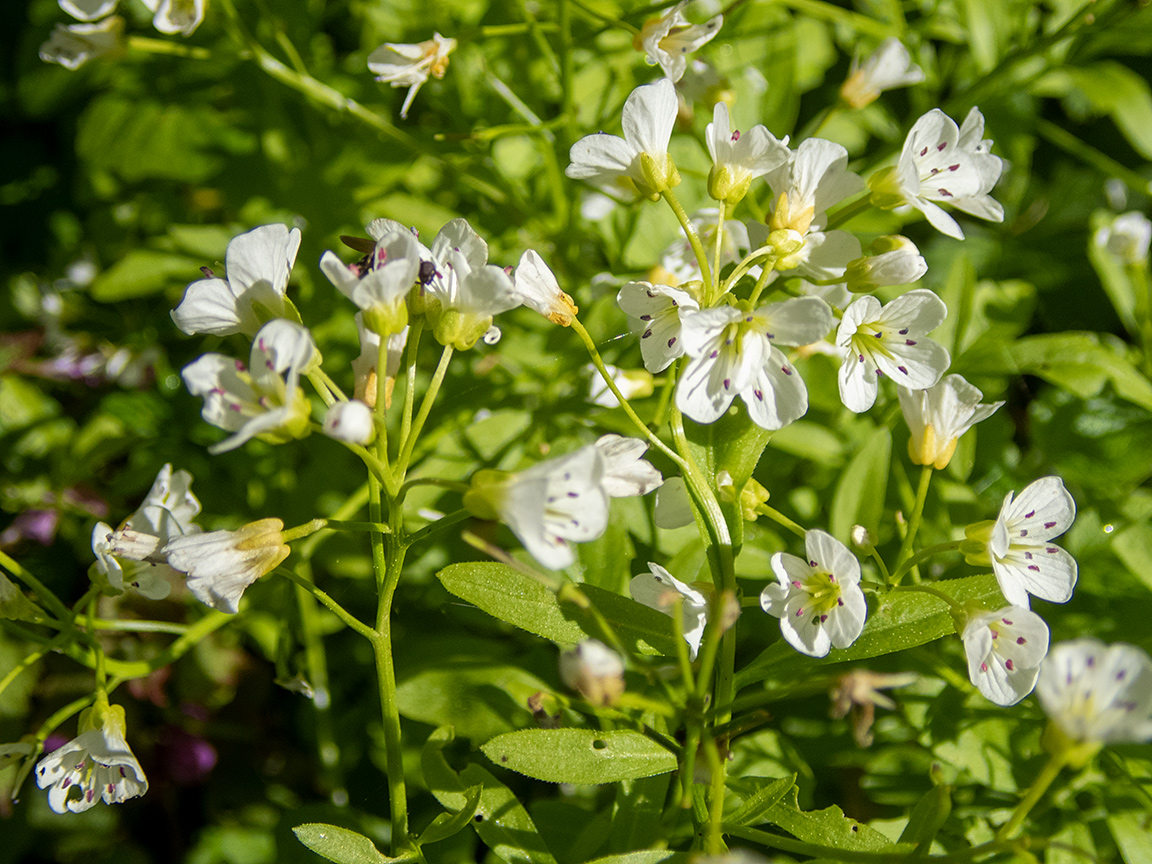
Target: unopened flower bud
{"points": [[791, 215], [594, 670], [786, 244], [350, 421], [895, 261], [863, 539]]}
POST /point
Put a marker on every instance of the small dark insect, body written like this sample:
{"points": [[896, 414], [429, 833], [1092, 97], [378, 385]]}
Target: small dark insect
{"points": [[361, 244], [427, 271]]}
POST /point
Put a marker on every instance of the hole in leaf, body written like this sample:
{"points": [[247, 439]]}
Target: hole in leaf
{"points": [[599, 744], [479, 817]]}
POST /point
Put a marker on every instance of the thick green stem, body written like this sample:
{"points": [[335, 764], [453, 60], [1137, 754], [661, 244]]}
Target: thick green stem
{"points": [[717, 247], [917, 514]]}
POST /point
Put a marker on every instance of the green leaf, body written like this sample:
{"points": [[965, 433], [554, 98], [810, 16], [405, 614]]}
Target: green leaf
{"points": [[644, 856], [142, 272], [1133, 546], [859, 497], [500, 819], [584, 756], [446, 825], [1133, 835], [1122, 94], [828, 827], [755, 807], [903, 619], [480, 700], [928, 817], [340, 845]]}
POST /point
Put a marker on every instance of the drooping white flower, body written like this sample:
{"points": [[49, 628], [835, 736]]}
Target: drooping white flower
{"points": [[96, 765], [409, 64], [669, 39], [128, 555], [1128, 237], [461, 290], [221, 564], [379, 291], [537, 288], [625, 473], [895, 260], [1097, 693], [886, 68], [738, 159], [257, 265], [1004, 650], [88, 10], [594, 670], [263, 399], [547, 506], [940, 163], [632, 383], [655, 312], [639, 161], [818, 600], [350, 421], [73, 45], [734, 352], [890, 340], [939, 415], [1019, 545], [679, 258], [176, 16], [658, 589]]}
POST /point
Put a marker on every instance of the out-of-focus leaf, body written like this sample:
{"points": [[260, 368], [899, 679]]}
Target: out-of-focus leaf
{"points": [[341, 845], [644, 856], [1133, 546], [1133, 835], [584, 756], [480, 701], [142, 272], [1109, 88], [859, 498]]}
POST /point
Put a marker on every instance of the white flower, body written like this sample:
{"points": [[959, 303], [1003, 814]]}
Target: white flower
{"points": [[127, 555], [1097, 693], [461, 291], [88, 10], [350, 421], [381, 290], [818, 600], [655, 312], [639, 161], [886, 68], [734, 352], [221, 564], [263, 399], [257, 265], [547, 506], [739, 159], [537, 288], [658, 589], [941, 163], [816, 255], [594, 670], [1127, 237], [890, 340], [895, 261], [176, 16], [98, 764], [673, 505], [939, 415], [1005, 649], [632, 383], [364, 366], [625, 473], [815, 178], [409, 65], [679, 259], [668, 40], [1018, 544], [75, 44]]}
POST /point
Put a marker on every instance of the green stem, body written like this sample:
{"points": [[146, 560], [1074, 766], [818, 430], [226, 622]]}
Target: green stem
{"points": [[350, 620], [762, 281], [689, 232], [607, 19], [921, 556], [439, 525], [381, 414], [714, 288], [425, 409], [433, 481], [714, 841], [1051, 770], [917, 514], [850, 211], [779, 518], [147, 45], [416, 329]]}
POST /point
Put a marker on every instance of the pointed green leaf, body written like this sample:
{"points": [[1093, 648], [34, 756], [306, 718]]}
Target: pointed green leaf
{"points": [[446, 825], [754, 808], [584, 756], [341, 845], [829, 827]]}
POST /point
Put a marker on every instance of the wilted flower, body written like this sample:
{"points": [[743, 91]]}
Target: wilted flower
{"points": [[660, 590], [858, 693], [668, 39], [886, 68], [73, 45], [221, 564], [1019, 545], [818, 600], [1005, 649], [939, 415], [594, 670], [409, 65]]}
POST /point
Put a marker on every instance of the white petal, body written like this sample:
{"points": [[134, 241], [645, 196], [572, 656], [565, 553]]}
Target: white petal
{"points": [[1044, 510], [777, 396], [1045, 571], [648, 116], [858, 387]]}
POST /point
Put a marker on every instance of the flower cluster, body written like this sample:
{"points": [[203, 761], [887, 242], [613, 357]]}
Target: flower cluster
{"points": [[101, 33]]}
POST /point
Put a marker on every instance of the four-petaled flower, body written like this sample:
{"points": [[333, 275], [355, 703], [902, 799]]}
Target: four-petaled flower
{"points": [[660, 590], [890, 340], [939, 415], [1019, 544], [639, 161], [818, 600], [1097, 693], [410, 64], [941, 163], [738, 159], [257, 265], [263, 399], [668, 39], [537, 288], [1005, 649], [380, 290], [98, 764], [221, 564]]}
